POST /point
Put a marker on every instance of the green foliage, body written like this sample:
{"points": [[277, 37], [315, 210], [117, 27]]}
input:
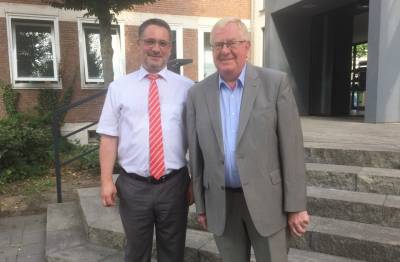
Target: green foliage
{"points": [[25, 145], [95, 7], [361, 50], [48, 100], [10, 98], [51, 99], [88, 163], [26, 139]]}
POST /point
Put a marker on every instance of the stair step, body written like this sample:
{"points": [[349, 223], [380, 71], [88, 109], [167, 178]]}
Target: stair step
{"points": [[200, 246], [354, 206], [97, 220], [353, 157], [326, 235], [342, 238], [297, 255], [66, 239], [353, 178], [64, 227], [344, 205], [86, 252], [355, 240]]}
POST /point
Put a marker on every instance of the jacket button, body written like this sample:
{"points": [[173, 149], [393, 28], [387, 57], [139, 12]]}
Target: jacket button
{"points": [[222, 188]]}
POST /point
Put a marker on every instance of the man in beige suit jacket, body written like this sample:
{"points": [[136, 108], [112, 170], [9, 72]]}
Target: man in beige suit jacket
{"points": [[246, 152]]}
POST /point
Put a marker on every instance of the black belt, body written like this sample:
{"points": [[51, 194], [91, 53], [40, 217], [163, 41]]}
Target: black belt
{"points": [[152, 180], [234, 189]]}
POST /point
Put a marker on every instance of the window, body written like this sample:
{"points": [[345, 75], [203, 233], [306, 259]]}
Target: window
{"points": [[205, 56], [33, 51], [209, 67], [90, 53], [173, 48], [176, 49]]}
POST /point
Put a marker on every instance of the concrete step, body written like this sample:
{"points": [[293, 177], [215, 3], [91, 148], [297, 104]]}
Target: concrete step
{"points": [[354, 206], [66, 240], [344, 205], [329, 202], [354, 178], [372, 243], [297, 255], [353, 157], [200, 246], [354, 240], [103, 225]]}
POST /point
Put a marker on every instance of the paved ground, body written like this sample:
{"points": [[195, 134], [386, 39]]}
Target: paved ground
{"points": [[23, 238], [350, 133]]}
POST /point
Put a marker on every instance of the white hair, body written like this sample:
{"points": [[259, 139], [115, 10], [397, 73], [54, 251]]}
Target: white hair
{"points": [[228, 20]]}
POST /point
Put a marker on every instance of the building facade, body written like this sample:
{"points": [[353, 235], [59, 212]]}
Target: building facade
{"points": [[315, 42], [44, 47]]}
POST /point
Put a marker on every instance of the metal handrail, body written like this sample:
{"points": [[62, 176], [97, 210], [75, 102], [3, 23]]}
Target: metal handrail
{"points": [[57, 138]]}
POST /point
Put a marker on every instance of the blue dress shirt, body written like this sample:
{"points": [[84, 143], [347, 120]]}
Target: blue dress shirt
{"points": [[230, 101]]}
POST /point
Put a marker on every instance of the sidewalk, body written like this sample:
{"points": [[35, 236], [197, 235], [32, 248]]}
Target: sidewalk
{"points": [[23, 238]]}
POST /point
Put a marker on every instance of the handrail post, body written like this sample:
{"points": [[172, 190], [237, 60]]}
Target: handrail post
{"points": [[57, 165]]}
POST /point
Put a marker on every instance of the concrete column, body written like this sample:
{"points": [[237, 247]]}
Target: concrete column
{"points": [[383, 75]]}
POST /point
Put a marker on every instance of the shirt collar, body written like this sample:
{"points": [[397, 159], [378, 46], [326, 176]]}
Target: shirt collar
{"points": [[239, 81], [143, 73]]}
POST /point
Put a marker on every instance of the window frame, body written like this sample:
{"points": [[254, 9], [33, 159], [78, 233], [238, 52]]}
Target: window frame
{"points": [[33, 82], [178, 28], [98, 83], [200, 52]]}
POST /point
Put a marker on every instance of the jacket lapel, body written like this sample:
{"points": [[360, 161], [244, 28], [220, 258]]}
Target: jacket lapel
{"points": [[212, 97], [249, 94]]}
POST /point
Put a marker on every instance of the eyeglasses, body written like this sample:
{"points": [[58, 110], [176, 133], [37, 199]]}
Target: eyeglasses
{"points": [[152, 42], [229, 44]]}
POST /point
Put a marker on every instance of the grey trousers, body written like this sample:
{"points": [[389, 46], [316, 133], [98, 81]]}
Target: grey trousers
{"points": [[145, 206], [240, 235]]}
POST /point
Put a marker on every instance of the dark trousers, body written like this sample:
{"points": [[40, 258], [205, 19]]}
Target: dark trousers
{"points": [[145, 206], [240, 234]]}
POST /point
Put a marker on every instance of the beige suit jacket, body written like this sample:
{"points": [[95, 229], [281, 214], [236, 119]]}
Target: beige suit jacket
{"points": [[269, 151]]}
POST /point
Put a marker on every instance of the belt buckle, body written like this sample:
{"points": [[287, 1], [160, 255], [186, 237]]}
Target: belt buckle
{"points": [[162, 179], [152, 180]]}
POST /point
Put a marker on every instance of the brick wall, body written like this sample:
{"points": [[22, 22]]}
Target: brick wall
{"points": [[210, 8], [4, 68], [33, 2], [190, 51], [69, 50], [131, 49], [69, 46]]}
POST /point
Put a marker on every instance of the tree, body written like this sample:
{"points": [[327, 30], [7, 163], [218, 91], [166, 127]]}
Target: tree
{"points": [[105, 11], [361, 50]]}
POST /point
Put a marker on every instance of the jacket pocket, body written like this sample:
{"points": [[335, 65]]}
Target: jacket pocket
{"points": [[275, 176]]}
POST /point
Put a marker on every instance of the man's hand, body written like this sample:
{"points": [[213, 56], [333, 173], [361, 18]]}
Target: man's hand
{"points": [[298, 222], [108, 193], [189, 194], [202, 220]]}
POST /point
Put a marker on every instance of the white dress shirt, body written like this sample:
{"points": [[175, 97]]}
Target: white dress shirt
{"points": [[125, 115]]}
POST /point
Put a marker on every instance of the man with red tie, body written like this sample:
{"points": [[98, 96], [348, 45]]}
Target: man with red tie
{"points": [[142, 125]]}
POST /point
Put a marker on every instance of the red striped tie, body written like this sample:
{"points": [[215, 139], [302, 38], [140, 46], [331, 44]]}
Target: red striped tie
{"points": [[157, 166]]}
